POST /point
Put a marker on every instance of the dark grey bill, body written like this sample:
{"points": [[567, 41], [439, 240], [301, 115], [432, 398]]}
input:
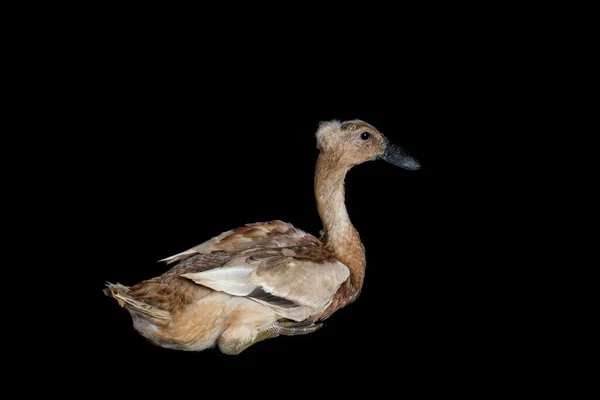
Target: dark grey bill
{"points": [[397, 156]]}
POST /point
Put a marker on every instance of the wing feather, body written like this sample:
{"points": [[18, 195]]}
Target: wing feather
{"points": [[272, 234], [274, 264]]}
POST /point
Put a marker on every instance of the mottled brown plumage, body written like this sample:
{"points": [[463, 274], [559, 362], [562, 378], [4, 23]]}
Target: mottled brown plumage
{"points": [[265, 279]]}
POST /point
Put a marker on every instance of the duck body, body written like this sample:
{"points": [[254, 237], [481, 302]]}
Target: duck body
{"points": [[236, 288], [265, 279]]}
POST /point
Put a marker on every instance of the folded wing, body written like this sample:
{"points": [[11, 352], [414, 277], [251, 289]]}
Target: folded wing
{"points": [[274, 264]]}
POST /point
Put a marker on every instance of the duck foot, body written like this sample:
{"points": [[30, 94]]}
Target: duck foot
{"points": [[295, 328], [286, 328]]}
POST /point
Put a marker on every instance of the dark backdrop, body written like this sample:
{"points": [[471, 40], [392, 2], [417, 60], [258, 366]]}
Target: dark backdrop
{"points": [[177, 149], [167, 172]]}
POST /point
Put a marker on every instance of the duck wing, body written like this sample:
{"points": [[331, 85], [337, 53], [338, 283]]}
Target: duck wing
{"points": [[272, 263], [250, 236]]}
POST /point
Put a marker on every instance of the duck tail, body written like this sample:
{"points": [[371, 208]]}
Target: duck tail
{"points": [[117, 291], [121, 294]]}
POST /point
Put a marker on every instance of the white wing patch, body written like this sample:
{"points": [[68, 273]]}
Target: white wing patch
{"points": [[297, 287], [232, 280]]}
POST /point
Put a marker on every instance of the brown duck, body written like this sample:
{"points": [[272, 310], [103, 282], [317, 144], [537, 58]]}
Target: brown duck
{"points": [[265, 279]]}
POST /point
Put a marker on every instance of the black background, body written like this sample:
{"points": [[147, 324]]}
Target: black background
{"points": [[167, 173], [180, 143]]}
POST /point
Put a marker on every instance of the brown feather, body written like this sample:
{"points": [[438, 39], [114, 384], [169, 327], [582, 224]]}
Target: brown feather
{"points": [[293, 272]]}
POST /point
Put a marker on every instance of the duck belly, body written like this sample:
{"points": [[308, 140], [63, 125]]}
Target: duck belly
{"points": [[216, 318], [195, 328]]}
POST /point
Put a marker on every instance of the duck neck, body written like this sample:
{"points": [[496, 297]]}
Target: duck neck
{"points": [[339, 235]]}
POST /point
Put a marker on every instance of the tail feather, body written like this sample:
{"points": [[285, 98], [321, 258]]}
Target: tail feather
{"points": [[120, 293], [117, 291]]}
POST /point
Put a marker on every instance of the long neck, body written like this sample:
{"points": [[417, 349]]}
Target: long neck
{"points": [[340, 236]]}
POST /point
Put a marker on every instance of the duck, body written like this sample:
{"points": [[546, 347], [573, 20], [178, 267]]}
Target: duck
{"points": [[267, 279]]}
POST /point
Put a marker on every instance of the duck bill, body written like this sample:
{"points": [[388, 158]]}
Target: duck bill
{"points": [[397, 156]]}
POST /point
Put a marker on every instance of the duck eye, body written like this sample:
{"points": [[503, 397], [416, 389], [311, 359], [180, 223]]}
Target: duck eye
{"points": [[365, 135]]}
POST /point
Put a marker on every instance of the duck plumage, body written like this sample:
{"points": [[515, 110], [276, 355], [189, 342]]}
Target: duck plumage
{"points": [[264, 279]]}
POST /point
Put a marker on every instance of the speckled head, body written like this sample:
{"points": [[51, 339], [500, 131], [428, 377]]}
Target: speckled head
{"points": [[354, 142]]}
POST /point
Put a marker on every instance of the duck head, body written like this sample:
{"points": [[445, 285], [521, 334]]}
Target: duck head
{"points": [[354, 142]]}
